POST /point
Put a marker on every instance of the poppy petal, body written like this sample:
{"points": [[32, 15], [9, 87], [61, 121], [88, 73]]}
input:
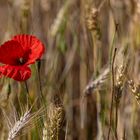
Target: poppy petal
{"points": [[10, 52], [32, 46], [18, 73]]}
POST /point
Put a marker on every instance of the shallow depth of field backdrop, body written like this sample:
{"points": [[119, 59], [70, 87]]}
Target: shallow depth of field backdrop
{"points": [[89, 74]]}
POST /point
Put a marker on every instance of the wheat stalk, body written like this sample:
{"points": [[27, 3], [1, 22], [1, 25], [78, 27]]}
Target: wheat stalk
{"points": [[20, 124], [60, 16], [100, 80], [52, 123], [92, 20], [120, 77], [135, 90]]}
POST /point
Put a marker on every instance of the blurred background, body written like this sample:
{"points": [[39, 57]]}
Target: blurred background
{"points": [[79, 36]]}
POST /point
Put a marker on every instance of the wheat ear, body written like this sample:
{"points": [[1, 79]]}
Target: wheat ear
{"points": [[52, 123], [97, 82], [135, 90], [20, 124], [120, 77]]}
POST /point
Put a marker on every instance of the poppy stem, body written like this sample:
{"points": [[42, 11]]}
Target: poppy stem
{"points": [[26, 87], [39, 78], [28, 95]]}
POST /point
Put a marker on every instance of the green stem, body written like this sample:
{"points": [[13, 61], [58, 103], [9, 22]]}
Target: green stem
{"points": [[39, 79], [28, 94], [112, 74], [113, 90]]}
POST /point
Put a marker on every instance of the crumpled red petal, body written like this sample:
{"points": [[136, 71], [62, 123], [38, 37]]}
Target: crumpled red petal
{"points": [[10, 52], [18, 73], [32, 46]]}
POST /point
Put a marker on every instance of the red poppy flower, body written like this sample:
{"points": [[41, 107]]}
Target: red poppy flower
{"points": [[17, 54]]}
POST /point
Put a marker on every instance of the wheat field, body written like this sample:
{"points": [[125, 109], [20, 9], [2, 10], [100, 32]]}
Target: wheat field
{"points": [[87, 84]]}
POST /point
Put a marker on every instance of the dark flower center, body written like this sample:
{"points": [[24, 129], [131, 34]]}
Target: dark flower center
{"points": [[21, 61]]}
